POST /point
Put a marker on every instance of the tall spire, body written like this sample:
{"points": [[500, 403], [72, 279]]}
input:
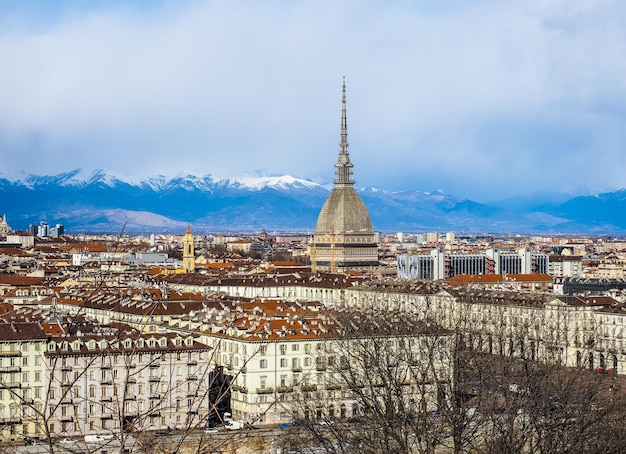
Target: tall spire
{"points": [[343, 167]]}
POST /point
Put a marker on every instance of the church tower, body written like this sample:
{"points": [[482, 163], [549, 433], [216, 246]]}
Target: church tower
{"points": [[343, 237], [4, 226], [189, 259]]}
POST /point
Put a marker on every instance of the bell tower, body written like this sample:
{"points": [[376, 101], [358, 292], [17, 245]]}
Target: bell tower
{"points": [[189, 259]]}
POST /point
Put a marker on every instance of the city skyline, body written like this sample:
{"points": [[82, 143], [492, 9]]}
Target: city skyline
{"points": [[484, 100]]}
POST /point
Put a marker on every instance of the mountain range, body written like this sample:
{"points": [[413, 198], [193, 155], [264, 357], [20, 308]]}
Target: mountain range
{"points": [[99, 202]]}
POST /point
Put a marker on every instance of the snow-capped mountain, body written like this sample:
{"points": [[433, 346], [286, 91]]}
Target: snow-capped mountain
{"points": [[99, 201]]}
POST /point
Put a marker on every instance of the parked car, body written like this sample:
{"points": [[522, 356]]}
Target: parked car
{"points": [[98, 438], [234, 425]]}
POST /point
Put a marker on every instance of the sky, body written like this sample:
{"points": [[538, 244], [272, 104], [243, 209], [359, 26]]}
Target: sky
{"points": [[481, 99]]}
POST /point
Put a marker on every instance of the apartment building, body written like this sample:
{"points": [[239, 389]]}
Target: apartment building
{"points": [[120, 380], [283, 354], [23, 383]]}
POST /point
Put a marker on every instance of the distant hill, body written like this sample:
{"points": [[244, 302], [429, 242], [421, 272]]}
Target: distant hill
{"points": [[99, 202]]}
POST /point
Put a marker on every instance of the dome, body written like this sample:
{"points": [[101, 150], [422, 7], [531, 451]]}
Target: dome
{"points": [[343, 211]]}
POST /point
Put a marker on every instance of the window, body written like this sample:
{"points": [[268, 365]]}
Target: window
{"points": [[25, 361], [283, 349], [295, 347], [283, 362], [263, 364]]}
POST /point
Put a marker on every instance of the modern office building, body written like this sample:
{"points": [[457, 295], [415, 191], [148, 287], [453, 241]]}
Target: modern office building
{"points": [[439, 266]]}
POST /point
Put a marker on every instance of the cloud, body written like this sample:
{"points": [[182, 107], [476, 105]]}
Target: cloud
{"points": [[464, 96]]}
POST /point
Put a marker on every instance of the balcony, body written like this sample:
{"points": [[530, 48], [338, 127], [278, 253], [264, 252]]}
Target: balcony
{"points": [[154, 365], [284, 389], [10, 384], [192, 377], [296, 368], [66, 419], [154, 379], [10, 421], [105, 367], [154, 414], [306, 388], [27, 401], [264, 390], [10, 370], [106, 416], [129, 397], [106, 381], [154, 397], [192, 363], [66, 368], [106, 399], [66, 401], [11, 353], [241, 389]]}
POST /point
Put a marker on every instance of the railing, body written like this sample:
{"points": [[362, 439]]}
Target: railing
{"points": [[8, 421], [264, 390]]}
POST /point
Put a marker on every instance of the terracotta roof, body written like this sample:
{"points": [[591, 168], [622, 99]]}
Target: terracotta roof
{"points": [[24, 281], [21, 331]]}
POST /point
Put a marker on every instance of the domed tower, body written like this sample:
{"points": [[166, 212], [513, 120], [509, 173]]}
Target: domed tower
{"points": [[343, 237]]}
